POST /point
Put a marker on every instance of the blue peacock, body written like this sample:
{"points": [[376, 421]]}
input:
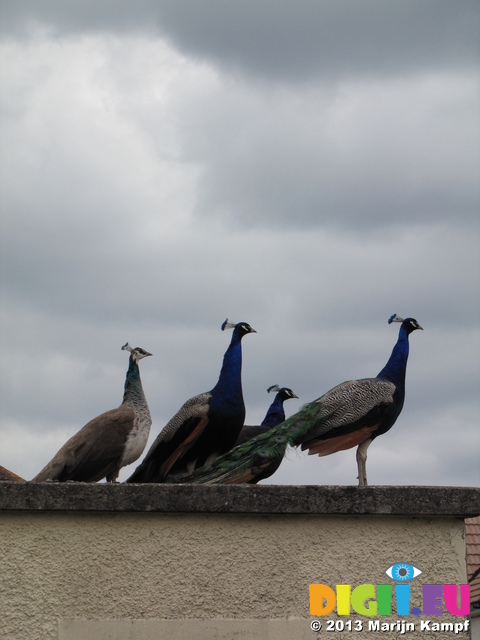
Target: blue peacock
{"points": [[206, 426], [274, 416], [351, 414]]}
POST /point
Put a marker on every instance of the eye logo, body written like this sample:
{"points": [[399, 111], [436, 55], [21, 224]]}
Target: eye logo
{"points": [[402, 572]]}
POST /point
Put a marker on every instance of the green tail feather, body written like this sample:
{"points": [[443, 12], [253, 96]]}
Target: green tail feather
{"points": [[252, 456]]}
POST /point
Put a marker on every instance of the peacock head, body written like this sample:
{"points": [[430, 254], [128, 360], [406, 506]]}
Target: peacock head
{"points": [[285, 392], [136, 353], [409, 324], [242, 328]]}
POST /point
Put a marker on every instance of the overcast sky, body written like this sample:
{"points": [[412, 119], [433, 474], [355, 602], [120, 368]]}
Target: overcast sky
{"points": [[308, 166]]}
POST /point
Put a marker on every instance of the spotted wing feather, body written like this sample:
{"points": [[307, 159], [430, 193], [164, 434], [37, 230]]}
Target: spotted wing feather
{"points": [[349, 407], [178, 436]]}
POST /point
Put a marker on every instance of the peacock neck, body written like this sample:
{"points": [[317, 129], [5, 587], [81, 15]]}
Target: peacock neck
{"points": [[133, 395], [396, 367], [230, 380], [275, 414]]}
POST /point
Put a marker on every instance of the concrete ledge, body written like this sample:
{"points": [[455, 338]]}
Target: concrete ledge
{"points": [[461, 502]]}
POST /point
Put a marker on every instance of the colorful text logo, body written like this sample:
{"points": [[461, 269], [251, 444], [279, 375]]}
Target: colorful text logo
{"points": [[377, 600]]}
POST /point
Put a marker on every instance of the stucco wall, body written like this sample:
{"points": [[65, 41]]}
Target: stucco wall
{"points": [[69, 565]]}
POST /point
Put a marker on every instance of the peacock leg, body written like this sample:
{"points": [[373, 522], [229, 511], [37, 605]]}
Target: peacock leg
{"points": [[362, 462]]}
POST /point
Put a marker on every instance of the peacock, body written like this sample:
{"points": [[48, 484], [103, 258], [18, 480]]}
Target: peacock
{"points": [[206, 426], [361, 410], [110, 441], [274, 416], [351, 414]]}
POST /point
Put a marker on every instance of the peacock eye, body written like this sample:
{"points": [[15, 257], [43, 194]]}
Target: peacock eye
{"points": [[403, 572]]}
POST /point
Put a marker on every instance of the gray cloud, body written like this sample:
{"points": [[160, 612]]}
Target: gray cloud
{"points": [[282, 39], [396, 151]]}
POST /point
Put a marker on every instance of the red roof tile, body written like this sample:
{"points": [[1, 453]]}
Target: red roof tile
{"points": [[472, 542]]}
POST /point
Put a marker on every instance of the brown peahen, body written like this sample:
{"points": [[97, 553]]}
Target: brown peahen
{"points": [[110, 441]]}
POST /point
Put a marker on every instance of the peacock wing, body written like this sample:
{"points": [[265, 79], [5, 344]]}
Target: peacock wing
{"points": [[93, 452], [176, 438], [248, 432], [353, 407]]}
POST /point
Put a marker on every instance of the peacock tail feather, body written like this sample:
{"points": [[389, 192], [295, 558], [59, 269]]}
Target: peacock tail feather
{"points": [[250, 459]]}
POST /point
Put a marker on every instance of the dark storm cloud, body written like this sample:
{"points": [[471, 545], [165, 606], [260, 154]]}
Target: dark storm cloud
{"points": [[281, 39]]}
